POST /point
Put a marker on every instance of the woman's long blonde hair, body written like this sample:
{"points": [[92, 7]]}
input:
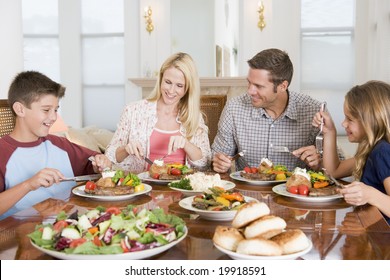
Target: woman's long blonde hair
{"points": [[189, 105], [370, 104]]}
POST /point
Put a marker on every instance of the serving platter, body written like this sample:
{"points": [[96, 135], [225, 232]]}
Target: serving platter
{"points": [[138, 255], [186, 203], [237, 176], [227, 185], [281, 190], [144, 176], [79, 191], [237, 256]]}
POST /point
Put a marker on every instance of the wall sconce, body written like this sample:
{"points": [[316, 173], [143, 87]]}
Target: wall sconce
{"points": [[261, 24], [148, 19]]}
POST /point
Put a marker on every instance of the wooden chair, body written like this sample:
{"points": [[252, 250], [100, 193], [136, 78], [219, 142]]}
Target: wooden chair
{"points": [[7, 119], [212, 106]]}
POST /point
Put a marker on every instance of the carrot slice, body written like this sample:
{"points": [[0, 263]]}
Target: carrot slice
{"points": [[320, 184]]}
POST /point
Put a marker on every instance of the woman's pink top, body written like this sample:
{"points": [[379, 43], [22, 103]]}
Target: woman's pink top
{"points": [[159, 141]]}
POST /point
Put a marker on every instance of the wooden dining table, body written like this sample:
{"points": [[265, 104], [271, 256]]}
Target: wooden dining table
{"points": [[338, 231]]}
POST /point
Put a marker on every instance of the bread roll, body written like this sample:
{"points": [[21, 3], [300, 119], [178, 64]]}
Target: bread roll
{"points": [[259, 247], [227, 237], [291, 241], [250, 212], [265, 227]]}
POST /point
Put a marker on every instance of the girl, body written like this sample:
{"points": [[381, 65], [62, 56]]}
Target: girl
{"points": [[367, 122]]}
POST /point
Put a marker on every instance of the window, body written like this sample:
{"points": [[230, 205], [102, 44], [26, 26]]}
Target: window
{"points": [[103, 63], [40, 37], [327, 48]]}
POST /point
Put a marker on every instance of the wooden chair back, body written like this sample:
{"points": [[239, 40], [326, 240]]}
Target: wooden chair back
{"points": [[7, 119], [212, 106]]}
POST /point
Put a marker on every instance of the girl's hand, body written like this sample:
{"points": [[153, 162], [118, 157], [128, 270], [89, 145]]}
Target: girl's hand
{"points": [[134, 148], [327, 119], [356, 193]]}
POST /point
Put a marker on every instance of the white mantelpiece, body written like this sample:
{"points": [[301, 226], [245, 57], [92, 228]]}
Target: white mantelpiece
{"points": [[230, 86]]}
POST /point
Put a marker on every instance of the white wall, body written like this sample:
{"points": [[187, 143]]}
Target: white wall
{"points": [[11, 46]]}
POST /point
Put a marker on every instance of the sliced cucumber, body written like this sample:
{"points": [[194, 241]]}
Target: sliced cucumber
{"points": [[47, 233], [84, 222], [71, 233]]}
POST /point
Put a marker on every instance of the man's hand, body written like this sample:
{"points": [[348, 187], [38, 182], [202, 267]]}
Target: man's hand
{"points": [[221, 163], [309, 156]]}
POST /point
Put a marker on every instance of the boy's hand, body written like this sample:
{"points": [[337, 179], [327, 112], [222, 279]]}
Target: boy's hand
{"points": [[100, 163], [45, 178]]}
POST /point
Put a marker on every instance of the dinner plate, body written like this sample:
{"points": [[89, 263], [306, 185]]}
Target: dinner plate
{"points": [[186, 203], [236, 176], [281, 190], [138, 255], [144, 176], [227, 185], [237, 256], [80, 192]]}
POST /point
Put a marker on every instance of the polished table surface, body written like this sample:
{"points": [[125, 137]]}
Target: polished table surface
{"points": [[337, 230]]}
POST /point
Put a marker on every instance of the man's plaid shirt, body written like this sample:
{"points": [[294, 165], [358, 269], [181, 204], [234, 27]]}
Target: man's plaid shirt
{"points": [[244, 127]]}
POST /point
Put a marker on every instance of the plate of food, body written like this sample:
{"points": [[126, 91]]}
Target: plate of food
{"points": [[324, 196], [113, 186], [164, 173], [199, 182], [254, 234], [219, 205], [80, 191], [136, 235], [265, 174], [309, 186], [242, 256]]}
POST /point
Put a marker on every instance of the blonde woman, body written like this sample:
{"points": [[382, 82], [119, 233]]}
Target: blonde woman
{"points": [[168, 123], [367, 122]]}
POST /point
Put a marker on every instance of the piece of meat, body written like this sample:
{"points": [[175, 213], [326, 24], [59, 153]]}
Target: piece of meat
{"points": [[325, 191], [118, 190], [258, 176]]}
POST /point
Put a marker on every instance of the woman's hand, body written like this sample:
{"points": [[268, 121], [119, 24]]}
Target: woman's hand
{"points": [[175, 143], [134, 148]]}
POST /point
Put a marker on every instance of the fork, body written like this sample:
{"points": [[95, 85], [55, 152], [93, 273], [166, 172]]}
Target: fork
{"points": [[333, 178], [240, 154], [320, 136], [281, 149]]}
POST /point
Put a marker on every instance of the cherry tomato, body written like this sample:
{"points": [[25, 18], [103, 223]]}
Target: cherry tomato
{"points": [[247, 169], [175, 171], [58, 226], [113, 210], [156, 176], [303, 190], [254, 169], [90, 185], [77, 242], [293, 189]]}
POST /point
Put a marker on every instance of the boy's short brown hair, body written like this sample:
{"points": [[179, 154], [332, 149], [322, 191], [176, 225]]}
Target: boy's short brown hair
{"points": [[27, 87]]}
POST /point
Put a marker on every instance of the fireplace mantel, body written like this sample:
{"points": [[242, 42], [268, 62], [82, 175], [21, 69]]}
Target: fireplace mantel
{"points": [[230, 86]]}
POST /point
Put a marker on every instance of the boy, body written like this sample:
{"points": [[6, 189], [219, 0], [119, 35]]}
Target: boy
{"points": [[32, 162]]}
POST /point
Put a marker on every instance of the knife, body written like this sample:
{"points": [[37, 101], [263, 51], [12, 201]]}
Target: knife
{"points": [[91, 177], [148, 160], [333, 179]]}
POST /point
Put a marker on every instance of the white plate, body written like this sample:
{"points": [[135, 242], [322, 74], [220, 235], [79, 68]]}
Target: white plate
{"points": [[186, 203], [80, 192], [236, 176], [281, 190], [139, 255], [144, 176], [237, 256], [227, 185]]}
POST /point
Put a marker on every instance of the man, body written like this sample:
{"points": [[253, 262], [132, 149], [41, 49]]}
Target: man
{"points": [[268, 115]]}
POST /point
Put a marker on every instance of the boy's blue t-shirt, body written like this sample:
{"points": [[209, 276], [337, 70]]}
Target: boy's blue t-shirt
{"points": [[21, 161]]}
